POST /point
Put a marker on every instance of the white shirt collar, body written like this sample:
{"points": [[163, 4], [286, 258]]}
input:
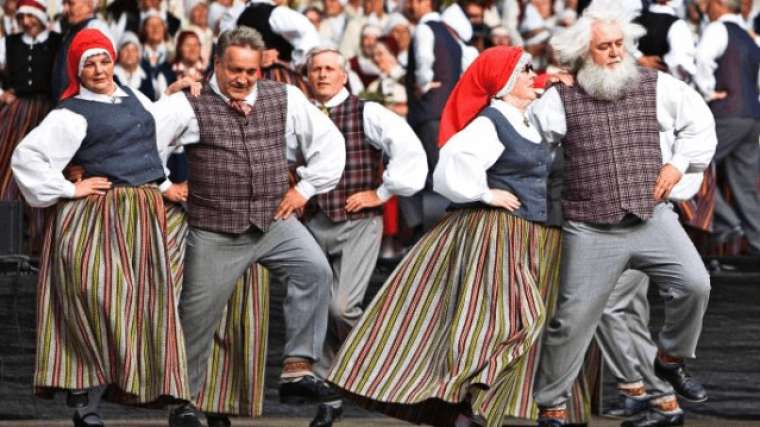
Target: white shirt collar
{"points": [[41, 37], [662, 8], [261, 1], [336, 100], [734, 18], [214, 85], [518, 119], [430, 16], [88, 95]]}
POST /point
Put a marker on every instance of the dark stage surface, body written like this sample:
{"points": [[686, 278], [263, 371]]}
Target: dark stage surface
{"points": [[728, 358]]}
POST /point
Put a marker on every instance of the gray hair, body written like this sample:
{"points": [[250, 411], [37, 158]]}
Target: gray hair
{"points": [[314, 52], [241, 37], [733, 5], [572, 45]]}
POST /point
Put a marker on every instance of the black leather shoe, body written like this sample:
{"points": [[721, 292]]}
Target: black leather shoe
{"points": [[184, 415], [627, 406], [683, 383], [308, 389], [655, 418], [326, 415], [217, 420], [77, 399], [89, 420]]}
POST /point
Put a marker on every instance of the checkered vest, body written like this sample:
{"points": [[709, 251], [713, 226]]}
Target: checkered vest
{"points": [[612, 153], [238, 170], [363, 163]]}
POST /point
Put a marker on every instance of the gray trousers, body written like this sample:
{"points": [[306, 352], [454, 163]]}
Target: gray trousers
{"points": [[214, 262], [738, 155], [351, 247], [624, 337], [425, 207], [594, 257]]}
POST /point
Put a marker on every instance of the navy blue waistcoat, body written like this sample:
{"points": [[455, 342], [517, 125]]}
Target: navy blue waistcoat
{"points": [[522, 169], [121, 140], [446, 70], [737, 75]]}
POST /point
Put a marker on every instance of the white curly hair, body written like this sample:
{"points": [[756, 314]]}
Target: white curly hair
{"points": [[572, 45]]}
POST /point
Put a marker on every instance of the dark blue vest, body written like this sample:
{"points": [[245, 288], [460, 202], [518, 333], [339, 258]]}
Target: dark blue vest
{"points": [[522, 169], [446, 70], [737, 75], [121, 140]]}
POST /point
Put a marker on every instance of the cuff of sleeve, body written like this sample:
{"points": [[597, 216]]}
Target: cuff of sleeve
{"points": [[680, 162], [383, 193], [69, 190], [487, 197], [305, 189], [165, 185]]}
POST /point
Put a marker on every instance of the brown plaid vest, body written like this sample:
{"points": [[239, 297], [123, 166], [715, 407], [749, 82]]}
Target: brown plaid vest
{"points": [[238, 170], [612, 153], [363, 163]]}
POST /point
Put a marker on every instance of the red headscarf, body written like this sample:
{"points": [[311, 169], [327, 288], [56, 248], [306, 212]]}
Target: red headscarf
{"points": [[84, 40], [484, 78]]}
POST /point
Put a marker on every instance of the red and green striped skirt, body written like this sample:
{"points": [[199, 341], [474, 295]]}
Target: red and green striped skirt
{"points": [[106, 301], [456, 326], [16, 120], [235, 376]]}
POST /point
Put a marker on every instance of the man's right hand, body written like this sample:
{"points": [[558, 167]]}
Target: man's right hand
{"points": [[504, 199], [96, 185]]}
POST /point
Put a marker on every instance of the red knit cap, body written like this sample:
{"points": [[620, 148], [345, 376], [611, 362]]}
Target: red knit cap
{"points": [[491, 72], [84, 40]]}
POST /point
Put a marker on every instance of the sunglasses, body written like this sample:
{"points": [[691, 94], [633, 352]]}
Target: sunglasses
{"points": [[528, 68]]}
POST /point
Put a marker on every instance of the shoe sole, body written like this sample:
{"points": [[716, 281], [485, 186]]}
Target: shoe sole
{"points": [[692, 400]]}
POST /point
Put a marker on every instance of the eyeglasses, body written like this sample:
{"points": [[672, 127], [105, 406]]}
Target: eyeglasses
{"points": [[528, 68]]}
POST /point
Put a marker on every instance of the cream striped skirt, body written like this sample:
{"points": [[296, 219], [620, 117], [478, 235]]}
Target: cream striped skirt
{"points": [[106, 302], [455, 328], [235, 377]]}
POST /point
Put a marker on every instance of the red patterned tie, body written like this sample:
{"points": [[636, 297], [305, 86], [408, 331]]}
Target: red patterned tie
{"points": [[241, 107]]}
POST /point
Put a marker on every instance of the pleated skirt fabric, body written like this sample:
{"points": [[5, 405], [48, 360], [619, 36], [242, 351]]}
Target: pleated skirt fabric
{"points": [[17, 120], [456, 326], [106, 300], [235, 378]]}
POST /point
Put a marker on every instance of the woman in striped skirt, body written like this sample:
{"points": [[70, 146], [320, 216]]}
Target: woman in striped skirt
{"points": [[451, 338], [107, 318], [27, 63]]}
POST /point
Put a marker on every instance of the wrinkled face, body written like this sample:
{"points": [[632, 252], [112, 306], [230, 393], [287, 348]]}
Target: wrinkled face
{"points": [[97, 74], [419, 8], [9, 7], [199, 15], [237, 71], [372, 6], [129, 56], [474, 13], [333, 7], [368, 43], [523, 89], [383, 58], [190, 51], [77, 11], [403, 36], [155, 30], [326, 76], [30, 24], [715, 9], [607, 44]]}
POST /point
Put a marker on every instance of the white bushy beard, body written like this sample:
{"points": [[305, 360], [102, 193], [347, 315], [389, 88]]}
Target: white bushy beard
{"points": [[608, 84]]}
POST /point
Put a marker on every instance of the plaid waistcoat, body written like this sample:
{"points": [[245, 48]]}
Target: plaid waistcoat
{"points": [[238, 170], [363, 163], [612, 153]]}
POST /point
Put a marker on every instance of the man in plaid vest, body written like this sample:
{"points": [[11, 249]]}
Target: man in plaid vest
{"points": [[240, 134], [347, 221], [617, 180]]}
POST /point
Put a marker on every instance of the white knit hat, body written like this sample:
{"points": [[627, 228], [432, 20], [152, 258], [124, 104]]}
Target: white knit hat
{"points": [[36, 8]]}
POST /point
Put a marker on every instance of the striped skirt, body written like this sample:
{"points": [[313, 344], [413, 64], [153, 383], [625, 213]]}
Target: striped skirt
{"points": [[455, 326], [235, 377], [106, 302], [16, 120]]}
